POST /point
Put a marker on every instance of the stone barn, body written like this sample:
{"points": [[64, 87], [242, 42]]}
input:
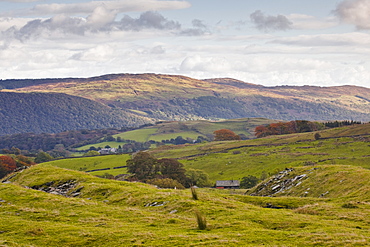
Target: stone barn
{"points": [[228, 184]]}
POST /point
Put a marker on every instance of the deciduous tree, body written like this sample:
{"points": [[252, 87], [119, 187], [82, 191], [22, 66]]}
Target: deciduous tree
{"points": [[143, 166], [7, 165], [225, 135]]}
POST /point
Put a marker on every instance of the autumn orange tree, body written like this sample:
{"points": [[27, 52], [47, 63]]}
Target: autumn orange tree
{"points": [[225, 135], [7, 165], [281, 128]]}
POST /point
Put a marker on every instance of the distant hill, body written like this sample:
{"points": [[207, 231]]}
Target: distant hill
{"points": [[174, 97], [53, 112]]}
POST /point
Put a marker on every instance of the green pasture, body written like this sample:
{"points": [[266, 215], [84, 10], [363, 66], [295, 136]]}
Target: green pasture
{"points": [[114, 213], [186, 134], [239, 162], [190, 129], [101, 145], [139, 135], [93, 163], [236, 159]]}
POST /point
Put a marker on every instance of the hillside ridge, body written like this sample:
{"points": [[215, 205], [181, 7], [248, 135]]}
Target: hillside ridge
{"points": [[57, 112], [181, 98]]}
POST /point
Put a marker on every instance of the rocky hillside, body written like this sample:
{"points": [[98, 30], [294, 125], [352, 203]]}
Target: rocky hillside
{"points": [[171, 97], [317, 181], [52, 113]]}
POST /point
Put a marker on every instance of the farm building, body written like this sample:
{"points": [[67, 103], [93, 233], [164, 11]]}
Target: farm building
{"points": [[228, 184]]}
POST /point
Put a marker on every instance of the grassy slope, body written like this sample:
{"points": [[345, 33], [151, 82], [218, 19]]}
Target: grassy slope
{"points": [[329, 181], [236, 159], [274, 153], [115, 215]]}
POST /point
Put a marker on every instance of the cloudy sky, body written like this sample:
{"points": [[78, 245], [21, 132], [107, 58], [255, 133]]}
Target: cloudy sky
{"points": [[268, 42]]}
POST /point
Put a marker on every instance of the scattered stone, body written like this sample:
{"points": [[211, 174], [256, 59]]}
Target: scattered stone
{"points": [[280, 183], [324, 194], [276, 187], [66, 189], [155, 204]]}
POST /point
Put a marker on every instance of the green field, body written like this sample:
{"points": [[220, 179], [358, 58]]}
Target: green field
{"points": [[101, 145], [139, 135], [114, 213], [189, 129], [93, 163]]}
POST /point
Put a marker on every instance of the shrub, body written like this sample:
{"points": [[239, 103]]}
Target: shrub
{"points": [[201, 220], [194, 193], [248, 182], [198, 178]]}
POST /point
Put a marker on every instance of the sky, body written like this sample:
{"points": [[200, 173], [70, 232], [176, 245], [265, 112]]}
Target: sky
{"points": [[266, 42]]}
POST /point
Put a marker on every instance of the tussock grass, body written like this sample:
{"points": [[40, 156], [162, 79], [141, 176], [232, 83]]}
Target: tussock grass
{"points": [[194, 193], [201, 220]]}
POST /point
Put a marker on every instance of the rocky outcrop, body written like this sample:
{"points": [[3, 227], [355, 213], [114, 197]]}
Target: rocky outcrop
{"points": [[280, 183], [68, 188]]}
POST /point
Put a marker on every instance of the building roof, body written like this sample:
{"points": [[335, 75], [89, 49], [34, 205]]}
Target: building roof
{"points": [[227, 183]]}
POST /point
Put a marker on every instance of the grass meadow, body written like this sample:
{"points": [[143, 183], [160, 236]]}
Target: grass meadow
{"points": [[114, 213]]}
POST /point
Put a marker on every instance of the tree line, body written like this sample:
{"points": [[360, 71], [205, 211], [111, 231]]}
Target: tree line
{"points": [[297, 126]]}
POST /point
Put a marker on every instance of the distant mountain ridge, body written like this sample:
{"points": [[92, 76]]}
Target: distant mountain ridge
{"points": [[151, 97]]}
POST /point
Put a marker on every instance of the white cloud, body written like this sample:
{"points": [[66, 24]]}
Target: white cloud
{"points": [[19, 1], [344, 39], [89, 7], [300, 21], [98, 53], [356, 12], [100, 21], [209, 64], [101, 16]]}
